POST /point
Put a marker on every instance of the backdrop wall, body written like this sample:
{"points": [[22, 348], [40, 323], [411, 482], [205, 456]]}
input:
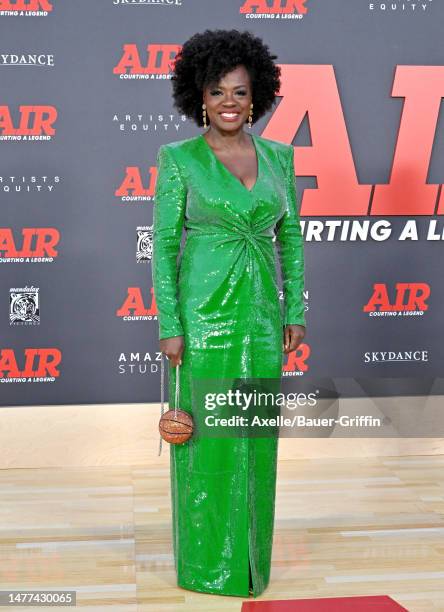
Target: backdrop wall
{"points": [[85, 102]]}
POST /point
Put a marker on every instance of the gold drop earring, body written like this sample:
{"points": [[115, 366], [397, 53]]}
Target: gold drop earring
{"points": [[250, 116], [204, 115]]}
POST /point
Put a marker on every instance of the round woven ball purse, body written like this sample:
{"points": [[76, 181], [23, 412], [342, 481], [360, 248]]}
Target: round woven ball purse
{"points": [[175, 426]]}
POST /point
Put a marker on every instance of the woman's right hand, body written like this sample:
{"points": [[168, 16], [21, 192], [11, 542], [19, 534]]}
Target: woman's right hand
{"points": [[173, 348]]}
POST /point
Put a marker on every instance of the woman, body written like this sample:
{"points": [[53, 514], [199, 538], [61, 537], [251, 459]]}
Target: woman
{"points": [[218, 307]]}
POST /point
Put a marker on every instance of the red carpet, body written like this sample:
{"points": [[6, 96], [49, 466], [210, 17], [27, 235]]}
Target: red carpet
{"points": [[371, 603]]}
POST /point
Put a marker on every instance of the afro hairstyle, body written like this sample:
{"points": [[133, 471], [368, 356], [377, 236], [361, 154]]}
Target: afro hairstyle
{"points": [[206, 57]]}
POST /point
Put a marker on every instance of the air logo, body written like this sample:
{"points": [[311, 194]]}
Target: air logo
{"points": [[276, 7], [159, 60], [33, 363], [25, 5], [408, 298], [132, 184], [133, 307], [297, 361], [35, 242], [312, 91], [33, 121]]}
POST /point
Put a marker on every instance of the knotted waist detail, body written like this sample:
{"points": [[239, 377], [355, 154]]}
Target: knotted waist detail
{"points": [[250, 234]]}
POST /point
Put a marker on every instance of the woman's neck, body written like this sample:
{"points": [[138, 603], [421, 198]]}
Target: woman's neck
{"points": [[225, 140]]}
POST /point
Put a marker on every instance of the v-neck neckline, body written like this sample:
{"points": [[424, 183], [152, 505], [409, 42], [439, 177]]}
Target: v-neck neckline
{"points": [[258, 163]]}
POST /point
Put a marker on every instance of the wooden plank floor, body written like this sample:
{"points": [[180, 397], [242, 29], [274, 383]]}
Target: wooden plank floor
{"points": [[351, 526]]}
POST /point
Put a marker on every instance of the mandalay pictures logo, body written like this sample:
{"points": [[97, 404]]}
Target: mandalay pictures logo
{"points": [[274, 9], [408, 300], [144, 243], [24, 306], [25, 8]]}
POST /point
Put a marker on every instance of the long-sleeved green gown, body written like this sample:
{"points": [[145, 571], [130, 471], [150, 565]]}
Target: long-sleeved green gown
{"points": [[221, 293]]}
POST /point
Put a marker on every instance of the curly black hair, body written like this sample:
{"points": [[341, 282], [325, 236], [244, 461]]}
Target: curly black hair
{"points": [[206, 57]]}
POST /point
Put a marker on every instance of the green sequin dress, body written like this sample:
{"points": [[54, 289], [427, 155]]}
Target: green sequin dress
{"points": [[221, 293]]}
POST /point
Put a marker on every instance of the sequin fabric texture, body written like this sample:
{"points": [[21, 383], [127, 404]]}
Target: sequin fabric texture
{"points": [[221, 293]]}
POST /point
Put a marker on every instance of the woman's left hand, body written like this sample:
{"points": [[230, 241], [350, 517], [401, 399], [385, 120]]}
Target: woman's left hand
{"points": [[293, 336]]}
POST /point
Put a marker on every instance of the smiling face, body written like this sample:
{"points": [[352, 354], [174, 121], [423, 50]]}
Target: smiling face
{"points": [[228, 101]]}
